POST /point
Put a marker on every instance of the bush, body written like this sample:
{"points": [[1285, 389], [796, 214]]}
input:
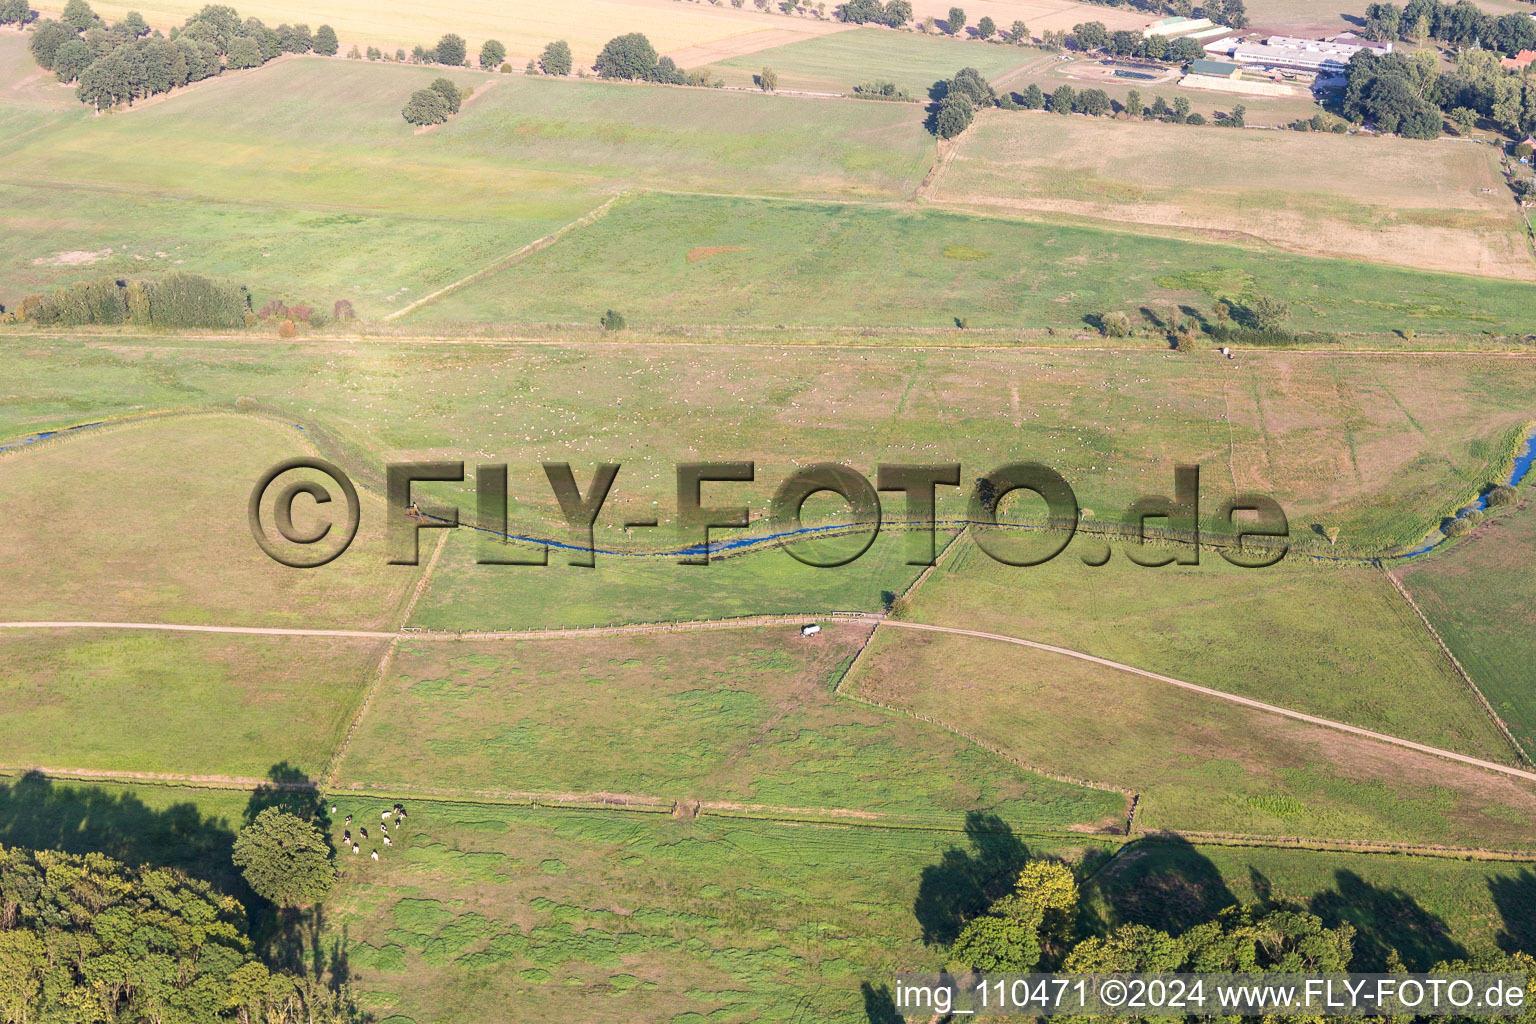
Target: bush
{"points": [[1501, 495], [506, 69], [178, 300], [1115, 325], [1458, 527], [613, 320], [286, 329], [342, 311], [301, 312], [768, 79]]}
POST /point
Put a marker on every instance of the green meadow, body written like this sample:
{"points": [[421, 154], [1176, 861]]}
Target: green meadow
{"points": [[1330, 640], [742, 718], [838, 62], [1480, 594], [674, 261], [1199, 765], [181, 703]]}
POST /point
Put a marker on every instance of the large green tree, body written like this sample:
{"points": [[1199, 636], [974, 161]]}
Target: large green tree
{"points": [[556, 58], [954, 116], [628, 56], [285, 858], [492, 54], [425, 107], [451, 50], [326, 44], [955, 22]]}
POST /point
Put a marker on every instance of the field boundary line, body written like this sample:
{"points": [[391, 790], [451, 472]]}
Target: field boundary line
{"points": [[512, 258], [1233, 698], [333, 766], [1466, 676], [863, 819]]}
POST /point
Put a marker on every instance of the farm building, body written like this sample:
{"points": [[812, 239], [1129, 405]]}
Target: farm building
{"points": [[1215, 69], [1520, 61], [1289, 52]]}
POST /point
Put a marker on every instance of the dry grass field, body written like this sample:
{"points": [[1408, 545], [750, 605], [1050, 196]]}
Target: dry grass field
{"points": [[1440, 206], [146, 522], [1198, 763]]}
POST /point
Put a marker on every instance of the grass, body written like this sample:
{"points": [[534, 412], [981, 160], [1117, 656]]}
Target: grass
{"points": [[463, 595], [1372, 445], [479, 911], [146, 523], [1435, 207], [1480, 596], [343, 200], [1198, 764], [1335, 642], [804, 264], [1428, 909], [836, 63], [187, 704], [745, 717]]}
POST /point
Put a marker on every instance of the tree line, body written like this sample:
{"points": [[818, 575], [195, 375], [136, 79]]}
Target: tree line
{"points": [[1461, 24], [896, 14], [1407, 94], [961, 96], [87, 939], [125, 61], [1034, 926]]}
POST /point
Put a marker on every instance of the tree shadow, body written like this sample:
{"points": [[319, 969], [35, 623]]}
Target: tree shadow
{"points": [[38, 814], [1165, 883], [966, 881], [1516, 899], [288, 789], [879, 1007], [1385, 919]]}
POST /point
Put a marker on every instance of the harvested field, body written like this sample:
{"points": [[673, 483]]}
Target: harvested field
{"points": [[1436, 206]]}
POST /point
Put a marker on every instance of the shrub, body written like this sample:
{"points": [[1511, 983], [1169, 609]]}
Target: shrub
{"points": [[343, 311], [286, 329], [1115, 325], [613, 320], [319, 318], [767, 79], [1501, 495], [301, 312], [246, 404], [274, 310], [1458, 527], [1186, 341], [506, 69]]}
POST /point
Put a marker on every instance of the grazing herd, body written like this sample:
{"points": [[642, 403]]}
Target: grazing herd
{"points": [[395, 816]]}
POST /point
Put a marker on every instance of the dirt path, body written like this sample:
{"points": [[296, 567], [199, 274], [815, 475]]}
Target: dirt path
{"points": [[511, 258]]}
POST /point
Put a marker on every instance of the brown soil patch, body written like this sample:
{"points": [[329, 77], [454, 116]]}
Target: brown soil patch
{"points": [[704, 252]]}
